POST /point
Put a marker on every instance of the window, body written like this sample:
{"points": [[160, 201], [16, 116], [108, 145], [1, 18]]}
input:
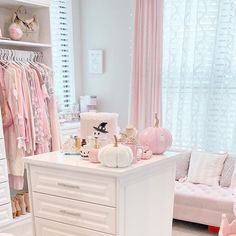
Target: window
{"points": [[199, 73], [62, 47]]}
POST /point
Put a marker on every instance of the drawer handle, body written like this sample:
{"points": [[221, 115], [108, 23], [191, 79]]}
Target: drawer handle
{"points": [[69, 213], [68, 186]]}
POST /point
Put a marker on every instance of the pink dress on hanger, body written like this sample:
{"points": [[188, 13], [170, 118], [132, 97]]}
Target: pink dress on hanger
{"points": [[29, 119], [53, 114], [35, 128], [48, 87], [44, 128], [14, 134], [21, 119]]}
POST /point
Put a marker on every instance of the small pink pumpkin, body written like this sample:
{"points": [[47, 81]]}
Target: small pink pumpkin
{"points": [[157, 139]]}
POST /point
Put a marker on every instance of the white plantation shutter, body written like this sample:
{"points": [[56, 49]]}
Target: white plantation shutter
{"points": [[199, 73], [63, 58]]}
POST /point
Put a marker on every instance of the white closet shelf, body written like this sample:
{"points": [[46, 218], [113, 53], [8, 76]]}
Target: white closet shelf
{"points": [[28, 3], [23, 44], [28, 216]]}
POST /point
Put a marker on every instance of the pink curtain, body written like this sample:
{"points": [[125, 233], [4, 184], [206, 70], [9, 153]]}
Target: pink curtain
{"points": [[147, 63]]}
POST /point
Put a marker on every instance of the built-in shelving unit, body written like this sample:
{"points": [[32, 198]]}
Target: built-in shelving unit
{"points": [[23, 217], [41, 9], [35, 8]]}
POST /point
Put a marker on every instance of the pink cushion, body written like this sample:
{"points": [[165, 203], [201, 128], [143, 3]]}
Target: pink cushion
{"points": [[182, 165], [213, 198], [228, 170], [206, 167]]}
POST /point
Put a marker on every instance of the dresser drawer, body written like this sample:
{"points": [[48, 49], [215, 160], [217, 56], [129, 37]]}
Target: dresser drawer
{"points": [[5, 215], [74, 185], [3, 171], [77, 213], [4, 193], [51, 228], [2, 149]]}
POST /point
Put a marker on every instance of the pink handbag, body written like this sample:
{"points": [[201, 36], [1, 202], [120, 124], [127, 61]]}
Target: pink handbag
{"points": [[29, 25]]}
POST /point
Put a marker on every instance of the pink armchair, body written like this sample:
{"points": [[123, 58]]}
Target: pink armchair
{"points": [[226, 228]]}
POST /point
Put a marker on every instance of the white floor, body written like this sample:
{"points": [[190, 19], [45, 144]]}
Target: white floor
{"points": [[179, 229], [22, 226]]}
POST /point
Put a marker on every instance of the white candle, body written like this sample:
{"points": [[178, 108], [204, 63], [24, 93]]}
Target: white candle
{"points": [[102, 124]]}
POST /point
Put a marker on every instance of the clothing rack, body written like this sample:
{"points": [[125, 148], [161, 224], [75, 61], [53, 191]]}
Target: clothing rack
{"points": [[20, 55], [30, 113]]}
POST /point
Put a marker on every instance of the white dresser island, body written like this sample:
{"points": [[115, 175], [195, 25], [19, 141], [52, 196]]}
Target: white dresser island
{"points": [[72, 197]]}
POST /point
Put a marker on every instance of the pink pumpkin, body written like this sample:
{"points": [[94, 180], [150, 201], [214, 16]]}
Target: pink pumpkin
{"points": [[157, 139]]}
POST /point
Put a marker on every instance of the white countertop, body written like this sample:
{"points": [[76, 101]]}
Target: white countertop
{"points": [[75, 163]]}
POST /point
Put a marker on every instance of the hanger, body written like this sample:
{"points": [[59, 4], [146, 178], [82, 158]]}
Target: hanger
{"points": [[3, 53], [1, 61], [22, 58]]}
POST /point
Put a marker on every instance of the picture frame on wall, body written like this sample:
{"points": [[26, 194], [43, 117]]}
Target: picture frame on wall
{"points": [[96, 61]]}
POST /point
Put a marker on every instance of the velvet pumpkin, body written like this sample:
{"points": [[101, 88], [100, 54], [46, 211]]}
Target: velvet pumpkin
{"points": [[116, 156], [156, 138]]}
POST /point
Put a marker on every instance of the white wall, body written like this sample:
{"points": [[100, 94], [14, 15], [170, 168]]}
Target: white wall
{"points": [[106, 24]]}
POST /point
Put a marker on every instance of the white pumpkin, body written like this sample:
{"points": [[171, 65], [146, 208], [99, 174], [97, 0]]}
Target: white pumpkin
{"points": [[116, 156]]}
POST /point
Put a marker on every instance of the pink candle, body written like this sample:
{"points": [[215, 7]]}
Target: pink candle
{"points": [[93, 154]]}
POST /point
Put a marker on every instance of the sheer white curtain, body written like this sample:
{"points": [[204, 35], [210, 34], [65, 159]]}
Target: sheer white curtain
{"points": [[199, 73]]}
